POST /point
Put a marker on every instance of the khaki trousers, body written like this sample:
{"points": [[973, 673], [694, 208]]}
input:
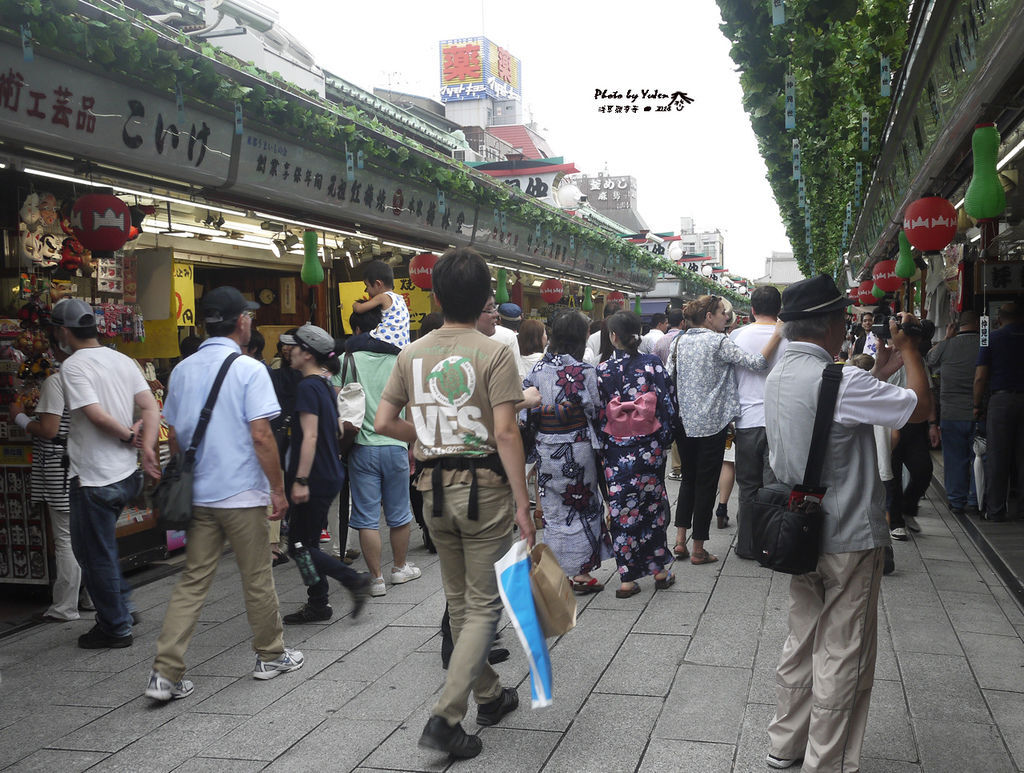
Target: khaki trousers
{"points": [[827, 668], [677, 463], [246, 530], [467, 551]]}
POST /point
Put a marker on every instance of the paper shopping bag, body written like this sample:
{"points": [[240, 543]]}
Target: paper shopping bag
{"points": [[552, 593]]}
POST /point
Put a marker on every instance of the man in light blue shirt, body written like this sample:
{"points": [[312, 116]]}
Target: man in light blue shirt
{"points": [[237, 475]]}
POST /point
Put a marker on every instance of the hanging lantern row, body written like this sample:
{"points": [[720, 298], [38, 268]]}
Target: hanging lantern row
{"points": [[886, 277], [421, 270]]}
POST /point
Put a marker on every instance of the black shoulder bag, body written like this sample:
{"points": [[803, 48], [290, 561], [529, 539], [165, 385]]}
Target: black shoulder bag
{"points": [[172, 498], [788, 521]]}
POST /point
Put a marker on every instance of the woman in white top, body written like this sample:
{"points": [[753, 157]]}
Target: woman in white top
{"points": [[533, 340]]}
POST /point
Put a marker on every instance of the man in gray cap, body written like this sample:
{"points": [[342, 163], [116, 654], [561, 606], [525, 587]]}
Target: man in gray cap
{"points": [[102, 389], [827, 667], [237, 474]]}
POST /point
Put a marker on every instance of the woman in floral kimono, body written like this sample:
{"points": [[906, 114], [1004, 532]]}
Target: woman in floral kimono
{"points": [[566, 454], [637, 414]]}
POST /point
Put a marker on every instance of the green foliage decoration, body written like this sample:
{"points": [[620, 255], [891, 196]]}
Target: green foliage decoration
{"points": [[833, 48]]}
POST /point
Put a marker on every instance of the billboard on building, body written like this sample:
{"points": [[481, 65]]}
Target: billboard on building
{"points": [[607, 193], [477, 68]]}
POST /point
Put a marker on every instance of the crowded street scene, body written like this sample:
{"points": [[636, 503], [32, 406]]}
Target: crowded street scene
{"points": [[370, 402]]}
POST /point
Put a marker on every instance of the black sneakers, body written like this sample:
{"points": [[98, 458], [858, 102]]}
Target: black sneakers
{"points": [[439, 735], [308, 614], [491, 713], [96, 639], [360, 593]]}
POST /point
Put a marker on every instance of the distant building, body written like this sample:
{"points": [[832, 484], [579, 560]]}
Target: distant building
{"points": [[708, 243], [780, 270]]}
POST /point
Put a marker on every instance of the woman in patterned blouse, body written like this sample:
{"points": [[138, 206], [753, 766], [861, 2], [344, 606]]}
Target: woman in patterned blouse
{"points": [[702, 361]]}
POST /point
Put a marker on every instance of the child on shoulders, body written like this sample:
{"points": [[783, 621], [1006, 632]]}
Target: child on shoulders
{"points": [[392, 334]]}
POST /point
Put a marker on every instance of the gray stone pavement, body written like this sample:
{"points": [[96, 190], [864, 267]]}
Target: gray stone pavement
{"points": [[672, 680]]}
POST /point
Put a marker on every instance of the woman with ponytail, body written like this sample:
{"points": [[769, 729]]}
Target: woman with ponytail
{"points": [[636, 419]]}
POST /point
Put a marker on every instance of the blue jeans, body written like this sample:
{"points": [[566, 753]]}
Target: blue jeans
{"points": [[94, 514], [958, 462], [379, 475]]}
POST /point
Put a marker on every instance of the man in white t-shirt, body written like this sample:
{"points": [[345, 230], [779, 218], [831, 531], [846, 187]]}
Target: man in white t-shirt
{"points": [[659, 324], [752, 468], [487, 323], [102, 389]]}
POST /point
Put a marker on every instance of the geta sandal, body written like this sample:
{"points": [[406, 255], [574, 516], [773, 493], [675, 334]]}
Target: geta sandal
{"points": [[665, 582], [625, 594], [584, 587]]}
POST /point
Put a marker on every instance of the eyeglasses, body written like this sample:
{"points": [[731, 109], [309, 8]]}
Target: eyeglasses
{"points": [[490, 310]]}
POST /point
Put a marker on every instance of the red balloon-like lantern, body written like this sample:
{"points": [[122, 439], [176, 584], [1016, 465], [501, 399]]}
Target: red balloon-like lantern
{"points": [[421, 270], [551, 290], [885, 276], [101, 222], [616, 297], [930, 223], [864, 295]]}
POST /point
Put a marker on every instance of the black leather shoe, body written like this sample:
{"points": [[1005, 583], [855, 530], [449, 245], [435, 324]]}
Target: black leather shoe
{"points": [[360, 593], [96, 639], [439, 735], [491, 713], [308, 614]]}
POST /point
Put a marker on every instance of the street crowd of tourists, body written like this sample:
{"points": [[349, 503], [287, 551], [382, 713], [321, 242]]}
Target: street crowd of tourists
{"points": [[487, 424]]}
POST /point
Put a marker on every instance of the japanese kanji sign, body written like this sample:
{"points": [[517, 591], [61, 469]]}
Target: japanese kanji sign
{"points": [[478, 68], [85, 114]]}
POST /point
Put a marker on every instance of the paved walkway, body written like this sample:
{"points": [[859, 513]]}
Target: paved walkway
{"points": [[672, 680]]}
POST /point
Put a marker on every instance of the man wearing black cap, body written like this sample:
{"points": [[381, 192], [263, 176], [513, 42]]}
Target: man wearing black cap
{"points": [[826, 670], [237, 474], [102, 389]]}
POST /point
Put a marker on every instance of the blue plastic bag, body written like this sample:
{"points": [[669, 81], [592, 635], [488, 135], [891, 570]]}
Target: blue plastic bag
{"points": [[513, 570]]}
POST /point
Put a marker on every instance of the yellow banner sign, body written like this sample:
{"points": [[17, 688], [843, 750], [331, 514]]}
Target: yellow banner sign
{"points": [[184, 294], [416, 300]]}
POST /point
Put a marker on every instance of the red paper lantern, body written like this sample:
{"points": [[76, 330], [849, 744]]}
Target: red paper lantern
{"points": [[616, 297], [551, 290], [864, 294], [421, 270], [101, 222], [885, 276], [930, 223]]}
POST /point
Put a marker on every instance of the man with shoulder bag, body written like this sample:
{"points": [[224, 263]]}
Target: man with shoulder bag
{"points": [[237, 473], [825, 674]]}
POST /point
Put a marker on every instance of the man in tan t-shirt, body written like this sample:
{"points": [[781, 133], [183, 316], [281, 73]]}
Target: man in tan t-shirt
{"points": [[460, 390]]}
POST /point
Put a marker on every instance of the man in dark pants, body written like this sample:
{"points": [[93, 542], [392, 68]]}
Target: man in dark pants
{"points": [[1001, 367], [752, 468]]}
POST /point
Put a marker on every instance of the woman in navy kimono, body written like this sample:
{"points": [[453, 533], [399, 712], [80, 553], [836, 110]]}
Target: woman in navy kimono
{"points": [[637, 414]]}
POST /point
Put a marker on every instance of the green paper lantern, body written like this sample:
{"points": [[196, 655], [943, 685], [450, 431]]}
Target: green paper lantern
{"points": [[905, 267], [985, 197], [501, 291], [312, 272], [636, 305], [878, 292], [588, 300]]}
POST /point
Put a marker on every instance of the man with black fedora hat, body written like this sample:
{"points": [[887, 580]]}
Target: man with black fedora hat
{"points": [[826, 670]]}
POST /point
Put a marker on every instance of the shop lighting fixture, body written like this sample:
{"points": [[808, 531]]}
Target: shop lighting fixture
{"points": [[196, 229], [402, 246], [312, 226], [132, 191], [237, 243], [1011, 155], [277, 247], [351, 260]]}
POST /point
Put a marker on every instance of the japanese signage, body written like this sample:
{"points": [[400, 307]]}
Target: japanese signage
{"points": [[477, 68], [184, 294], [83, 113], [278, 169], [1003, 276], [605, 193]]}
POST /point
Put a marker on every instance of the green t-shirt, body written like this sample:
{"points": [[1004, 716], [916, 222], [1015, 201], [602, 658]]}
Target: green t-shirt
{"points": [[373, 370]]}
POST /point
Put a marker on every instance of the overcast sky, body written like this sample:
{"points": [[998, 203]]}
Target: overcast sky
{"points": [[700, 162]]}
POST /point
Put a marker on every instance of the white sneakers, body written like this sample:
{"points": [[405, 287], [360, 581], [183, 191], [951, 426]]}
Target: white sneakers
{"points": [[405, 574], [290, 660], [781, 763], [377, 587], [161, 689], [899, 533]]}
